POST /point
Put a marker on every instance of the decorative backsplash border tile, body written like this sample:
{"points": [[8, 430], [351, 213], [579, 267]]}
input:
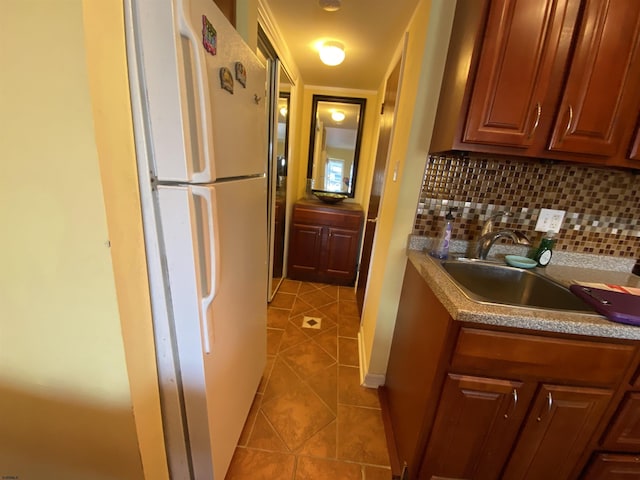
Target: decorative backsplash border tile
{"points": [[602, 204]]}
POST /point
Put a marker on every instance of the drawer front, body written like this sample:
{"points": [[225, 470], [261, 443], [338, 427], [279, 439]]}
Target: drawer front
{"points": [[337, 218], [516, 355], [608, 466], [625, 428]]}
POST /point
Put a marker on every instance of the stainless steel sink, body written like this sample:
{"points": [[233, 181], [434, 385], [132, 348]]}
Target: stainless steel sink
{"points": [[493, 283]]}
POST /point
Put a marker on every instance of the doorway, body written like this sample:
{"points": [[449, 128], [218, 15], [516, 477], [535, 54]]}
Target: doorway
{"points": [[377, 182]]}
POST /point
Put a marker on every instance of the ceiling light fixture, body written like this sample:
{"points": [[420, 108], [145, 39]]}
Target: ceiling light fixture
{"points": [[337, 116], [330, 5], [332, 53]]}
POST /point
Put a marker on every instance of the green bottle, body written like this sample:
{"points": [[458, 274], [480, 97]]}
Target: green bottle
{"points": [[544, 252]]}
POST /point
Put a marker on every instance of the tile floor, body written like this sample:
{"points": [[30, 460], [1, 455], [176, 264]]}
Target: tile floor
{"points": [[311, 419]]}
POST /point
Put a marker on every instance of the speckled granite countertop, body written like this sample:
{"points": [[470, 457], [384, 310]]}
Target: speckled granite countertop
{"points": [[463, 309]]}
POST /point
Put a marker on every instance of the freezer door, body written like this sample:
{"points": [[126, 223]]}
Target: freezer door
{"points": [[215, 247], [198, 130]]}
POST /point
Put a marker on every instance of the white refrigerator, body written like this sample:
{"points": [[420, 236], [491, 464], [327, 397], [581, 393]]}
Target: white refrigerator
{"points": [[198, 101]]}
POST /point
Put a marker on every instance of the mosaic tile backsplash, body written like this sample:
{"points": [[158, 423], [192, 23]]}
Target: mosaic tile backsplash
{"points": [[602, 204]]}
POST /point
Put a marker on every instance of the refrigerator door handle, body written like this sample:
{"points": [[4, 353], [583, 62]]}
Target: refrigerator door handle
{"points": [[209, 197], [201, 100]]}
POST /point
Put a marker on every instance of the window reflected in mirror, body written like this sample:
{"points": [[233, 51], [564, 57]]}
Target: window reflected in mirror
{"points": [[334, 143]]}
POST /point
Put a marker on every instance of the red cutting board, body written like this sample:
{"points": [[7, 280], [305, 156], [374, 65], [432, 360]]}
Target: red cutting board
{"points": [[619, 307]]}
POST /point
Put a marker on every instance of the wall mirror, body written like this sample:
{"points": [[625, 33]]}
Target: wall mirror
{"points": [[334, 143]]}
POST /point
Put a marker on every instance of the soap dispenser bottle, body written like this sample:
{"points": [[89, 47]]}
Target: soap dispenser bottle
{"points": [[441, 249], [544, 252]]}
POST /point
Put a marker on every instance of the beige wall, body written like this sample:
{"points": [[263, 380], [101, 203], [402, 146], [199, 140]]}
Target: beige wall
{"points": [[428, 36], [64, 390], [108, 80]]}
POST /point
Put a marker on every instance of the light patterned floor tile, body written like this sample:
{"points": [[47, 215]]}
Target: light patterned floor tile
{"points": [[328, 340], [277, 317], [317, 298], [249, 464], [322, 469], [350, 392], [297, 415], [322, 444], [325, 385], [348, 351], [307, 358], [361, 435]]}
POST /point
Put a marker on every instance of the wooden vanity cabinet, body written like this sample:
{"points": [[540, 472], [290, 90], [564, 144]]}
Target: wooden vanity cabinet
{"points": [[324, 242], [466, 401], [546, 78]]}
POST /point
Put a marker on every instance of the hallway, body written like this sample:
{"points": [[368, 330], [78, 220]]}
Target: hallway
{"points": [[311, 420]]}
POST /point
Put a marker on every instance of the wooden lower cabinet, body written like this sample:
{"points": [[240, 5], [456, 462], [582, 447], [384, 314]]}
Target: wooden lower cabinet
{"points": [[480, 421], [556, 432], [324, 242], [475, 427], [490, 403], [606, 466], [624, 433]]}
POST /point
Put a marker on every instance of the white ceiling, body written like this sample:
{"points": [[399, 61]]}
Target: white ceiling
{"points": [[371, 30]]}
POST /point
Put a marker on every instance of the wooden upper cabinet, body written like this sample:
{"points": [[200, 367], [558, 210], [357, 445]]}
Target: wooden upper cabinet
{"points": [[554, 79], [228, 8], [600, 100], [519, 71], [561, 422]]}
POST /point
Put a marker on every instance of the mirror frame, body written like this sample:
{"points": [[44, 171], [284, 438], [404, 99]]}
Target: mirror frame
{"points": [[362, 102]]}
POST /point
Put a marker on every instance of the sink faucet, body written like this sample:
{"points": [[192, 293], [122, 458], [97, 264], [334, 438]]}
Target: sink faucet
{"points": [[488, 237]]}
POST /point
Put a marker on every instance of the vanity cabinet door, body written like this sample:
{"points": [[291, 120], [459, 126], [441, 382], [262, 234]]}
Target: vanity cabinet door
{"points": [[519, 71], [476, 424], [341, 253], [560, 424], [599, 104], [304, 251]]}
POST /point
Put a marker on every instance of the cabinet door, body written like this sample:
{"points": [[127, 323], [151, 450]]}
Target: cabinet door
{"points": [[304, 251], [600, 99], [341, 254], [519, 70], [557, 430], [476, 424], [625, 428], [613, 467]]}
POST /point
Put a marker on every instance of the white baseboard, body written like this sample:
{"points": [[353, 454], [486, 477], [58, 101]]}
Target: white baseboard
{"points": [[369, 380]]}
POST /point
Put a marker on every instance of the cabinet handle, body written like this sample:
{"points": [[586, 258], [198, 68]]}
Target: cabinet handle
{"points": [[537, 120], [549, 405], [514, 394], [568, 129]]}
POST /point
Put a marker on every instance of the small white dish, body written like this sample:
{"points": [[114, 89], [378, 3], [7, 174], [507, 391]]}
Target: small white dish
{"points": [[520, 262]]}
